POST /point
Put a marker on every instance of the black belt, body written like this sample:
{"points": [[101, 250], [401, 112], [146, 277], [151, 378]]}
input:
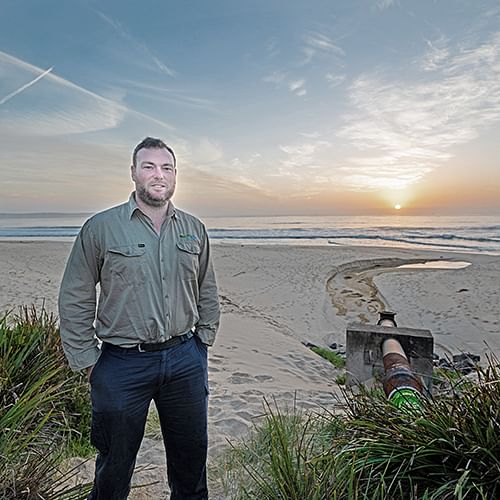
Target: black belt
{"points": [[160, 346]]}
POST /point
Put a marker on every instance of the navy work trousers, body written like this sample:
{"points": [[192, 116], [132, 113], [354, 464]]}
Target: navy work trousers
{"points": [[123, 384]]}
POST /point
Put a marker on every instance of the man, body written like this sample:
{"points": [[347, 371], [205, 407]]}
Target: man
{"points": [[157, 312]]}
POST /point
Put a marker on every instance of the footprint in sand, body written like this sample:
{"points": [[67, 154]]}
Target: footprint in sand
{"points": [[233, 427], [241, 378]]}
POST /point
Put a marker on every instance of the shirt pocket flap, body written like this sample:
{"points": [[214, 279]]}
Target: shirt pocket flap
{"points": [[189, 246], [128, 251]]}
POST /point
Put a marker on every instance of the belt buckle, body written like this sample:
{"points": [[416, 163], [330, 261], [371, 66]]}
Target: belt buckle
{"points": [[140, 349]]}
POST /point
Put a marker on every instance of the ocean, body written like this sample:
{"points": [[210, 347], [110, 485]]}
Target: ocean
{"points": [[478, 234]]}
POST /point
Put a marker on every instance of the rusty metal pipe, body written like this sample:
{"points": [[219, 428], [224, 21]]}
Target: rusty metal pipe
{"points": [[401, 385], [398, 372]]}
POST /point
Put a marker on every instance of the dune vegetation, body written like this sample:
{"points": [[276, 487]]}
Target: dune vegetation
{"points": [[44, 410], [366, 448], [363, 447]]}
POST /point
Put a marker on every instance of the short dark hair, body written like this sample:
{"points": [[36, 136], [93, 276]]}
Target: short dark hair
{"points": [[152, 143]]}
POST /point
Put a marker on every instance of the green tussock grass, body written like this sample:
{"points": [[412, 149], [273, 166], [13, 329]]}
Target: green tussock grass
{"points": [[374, 451], [331, 356], [44, 409], [286, 456]]}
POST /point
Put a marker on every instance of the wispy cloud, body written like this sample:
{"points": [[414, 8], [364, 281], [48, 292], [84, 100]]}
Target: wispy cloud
{"points": [[304, 172], [437, 55], [66, 108], [280, 79], [277, 77], [405, 129], [319, 43], [168, 94], [297, 87], [302, 155], [334, 80], [314, 44], [25, 86], [272, 48], [385, 4], [142, 47]]}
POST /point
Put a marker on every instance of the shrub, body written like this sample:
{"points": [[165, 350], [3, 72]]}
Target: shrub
{"points": [[448, 450], [44, 407], [286, 456]]}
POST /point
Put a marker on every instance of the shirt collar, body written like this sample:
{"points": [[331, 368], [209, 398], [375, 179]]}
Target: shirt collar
{"points": [[132, 207]]}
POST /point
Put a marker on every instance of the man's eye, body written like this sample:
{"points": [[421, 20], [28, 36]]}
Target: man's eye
{"points": [[168, 169]]}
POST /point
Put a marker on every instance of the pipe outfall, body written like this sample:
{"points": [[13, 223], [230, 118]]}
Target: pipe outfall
{"points": [[401, 386]]}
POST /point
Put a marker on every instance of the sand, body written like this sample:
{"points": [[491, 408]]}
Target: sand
{"points": [[276, 298]]}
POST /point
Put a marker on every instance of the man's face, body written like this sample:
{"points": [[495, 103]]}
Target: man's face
{"points": [[154, 175]]}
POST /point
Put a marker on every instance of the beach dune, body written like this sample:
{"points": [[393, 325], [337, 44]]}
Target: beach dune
{"points": [[276, 298]]}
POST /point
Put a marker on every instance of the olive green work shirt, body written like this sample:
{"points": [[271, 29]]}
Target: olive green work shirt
{"points": [[152, 286]]}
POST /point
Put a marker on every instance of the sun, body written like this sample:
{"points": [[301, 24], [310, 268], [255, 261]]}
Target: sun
{"points": [[397, 206]]}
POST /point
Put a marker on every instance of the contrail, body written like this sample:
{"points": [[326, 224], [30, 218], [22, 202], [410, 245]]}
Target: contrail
{"points": [[24, 87]]}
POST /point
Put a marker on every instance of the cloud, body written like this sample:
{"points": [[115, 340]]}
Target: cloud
{"points": [[280, 79], [437, 54], [142, 47], [334, 80], [217, 194], [297, 87], [208, 151], [405, 129], [25, 86], [56, 106], [384, 4], [167, 94], [302, 156], [272, 48], [277, 77], [319, 43]]}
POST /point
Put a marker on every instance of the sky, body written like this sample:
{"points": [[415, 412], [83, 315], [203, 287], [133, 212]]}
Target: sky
{"points": [[273, 108]]}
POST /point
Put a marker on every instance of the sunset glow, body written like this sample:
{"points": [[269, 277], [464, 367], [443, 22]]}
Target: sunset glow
{"points": [[329, 110]]}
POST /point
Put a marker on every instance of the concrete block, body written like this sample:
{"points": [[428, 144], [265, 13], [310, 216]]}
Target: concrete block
{"points": [[364, 352]]}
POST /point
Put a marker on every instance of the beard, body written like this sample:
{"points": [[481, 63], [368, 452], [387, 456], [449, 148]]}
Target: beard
{"points": [[155, 201]]}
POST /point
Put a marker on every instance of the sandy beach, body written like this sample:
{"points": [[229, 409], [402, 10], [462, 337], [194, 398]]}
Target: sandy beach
{"points": [[275, 298]]}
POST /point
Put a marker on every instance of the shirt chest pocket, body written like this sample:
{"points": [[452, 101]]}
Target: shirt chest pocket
{"points": [[188, 255], [127, 265]]}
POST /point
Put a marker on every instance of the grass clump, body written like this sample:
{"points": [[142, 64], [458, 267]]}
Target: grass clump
{"points": [[452, 450], [335, 359], [449, 450], [44, 408], [286, 456]]}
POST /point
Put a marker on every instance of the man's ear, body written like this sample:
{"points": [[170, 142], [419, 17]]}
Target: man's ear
{"points": [[132, 172]]}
